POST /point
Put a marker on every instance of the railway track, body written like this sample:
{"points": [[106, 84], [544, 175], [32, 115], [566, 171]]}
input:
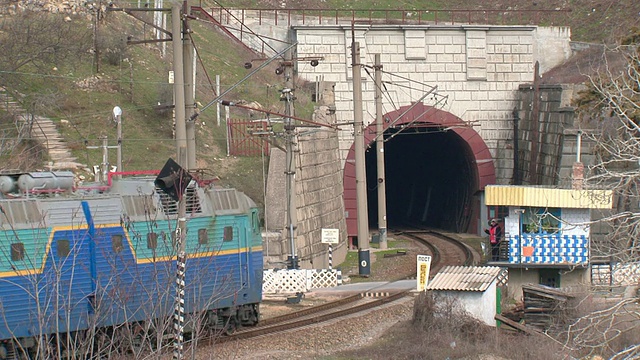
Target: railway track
{"points": [[444, 250], [315, 315]]}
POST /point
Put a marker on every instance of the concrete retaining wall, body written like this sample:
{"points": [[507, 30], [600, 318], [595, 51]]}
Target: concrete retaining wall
{"points": [[318, 193]]}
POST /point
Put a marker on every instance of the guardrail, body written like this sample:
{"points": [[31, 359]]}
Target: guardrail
{"points": [[298, 16]]}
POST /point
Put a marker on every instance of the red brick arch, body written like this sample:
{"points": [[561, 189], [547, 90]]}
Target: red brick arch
{"points": [[421, 115]]}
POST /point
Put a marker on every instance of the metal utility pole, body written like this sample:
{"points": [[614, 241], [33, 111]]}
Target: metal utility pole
{"points": [[218, 103], [117, 114], [361, 175], [181, 153], [104, 168], [290, 168], [382, 196], [189, 97], [105, 159], [178, 81]]}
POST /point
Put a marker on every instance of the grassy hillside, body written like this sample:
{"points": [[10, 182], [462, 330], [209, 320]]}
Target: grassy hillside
{"points": [[49, 59], [72, 85], [590, 20]]}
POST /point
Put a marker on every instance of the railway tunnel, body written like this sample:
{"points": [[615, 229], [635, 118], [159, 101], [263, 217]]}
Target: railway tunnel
{"points": [[436, 166]]}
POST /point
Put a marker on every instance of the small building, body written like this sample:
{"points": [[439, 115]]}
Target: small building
{"points": [[474, 288], [546, 233]]}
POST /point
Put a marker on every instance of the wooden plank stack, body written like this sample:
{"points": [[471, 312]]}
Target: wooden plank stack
{"points": [[544, 306]]}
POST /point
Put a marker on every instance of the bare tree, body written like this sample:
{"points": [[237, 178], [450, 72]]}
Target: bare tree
{"points": [[612, 104], [36, 40], [126, 311]]}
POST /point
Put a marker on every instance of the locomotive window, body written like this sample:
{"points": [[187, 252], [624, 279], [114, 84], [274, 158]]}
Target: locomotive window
{"points": [[63, 248], [116, 243], [152, 240], [228, 233], [17, 251], [256, 223], [203, 236]]}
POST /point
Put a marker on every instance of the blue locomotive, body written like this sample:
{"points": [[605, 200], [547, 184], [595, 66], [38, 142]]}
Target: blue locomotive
{"points": [[84, 268]]}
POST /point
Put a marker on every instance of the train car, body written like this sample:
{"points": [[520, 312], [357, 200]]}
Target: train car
{"points": [[98, 263]]}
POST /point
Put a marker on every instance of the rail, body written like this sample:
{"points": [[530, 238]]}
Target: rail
{"points": [[315, 316], [440, 258]]}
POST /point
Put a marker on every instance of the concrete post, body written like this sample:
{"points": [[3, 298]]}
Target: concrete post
{"points": [[361, 175], [382, 197], [181, 149], [189, 98], [290, 168]]}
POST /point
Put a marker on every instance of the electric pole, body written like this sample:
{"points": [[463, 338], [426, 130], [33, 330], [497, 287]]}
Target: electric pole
{"points": [[117, 114], [181, 153], [382, 197], [361, 175], [189, 96], [290, 168]]}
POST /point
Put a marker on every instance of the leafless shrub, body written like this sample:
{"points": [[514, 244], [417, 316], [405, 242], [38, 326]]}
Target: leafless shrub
{"points": [[444, 315], [35, 40], [604, 327], [58, 295], [113, 48], [612, 105], [441, 329]]}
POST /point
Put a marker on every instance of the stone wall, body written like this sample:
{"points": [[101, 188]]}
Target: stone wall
{"points": [[553, 120], [479, 70], [319, 200]]}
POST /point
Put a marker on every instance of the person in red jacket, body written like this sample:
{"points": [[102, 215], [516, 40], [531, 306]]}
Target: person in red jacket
{"points": [[495, 235]]}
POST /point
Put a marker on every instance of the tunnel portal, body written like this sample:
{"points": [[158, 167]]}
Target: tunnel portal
{"points": [[429, 179], [435, 166]]}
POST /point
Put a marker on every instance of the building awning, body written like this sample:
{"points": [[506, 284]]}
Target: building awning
{"points": [[530, 196]]}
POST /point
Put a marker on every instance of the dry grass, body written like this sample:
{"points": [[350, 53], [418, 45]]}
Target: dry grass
{"points": [[603, 327], [441, 330]]}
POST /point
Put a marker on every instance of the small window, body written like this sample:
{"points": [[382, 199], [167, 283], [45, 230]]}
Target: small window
{"points": [[152, 240], [541, 221], [17, 251], [256, 223], [63, 248], [203, 236], [228, 233], [116, 243]]}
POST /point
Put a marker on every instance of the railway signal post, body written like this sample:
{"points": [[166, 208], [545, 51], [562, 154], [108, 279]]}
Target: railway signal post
{"points": [[330, 236]]}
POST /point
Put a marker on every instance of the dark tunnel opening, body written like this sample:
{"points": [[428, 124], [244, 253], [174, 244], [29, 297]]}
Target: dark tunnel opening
{"points": [[430, 179]]}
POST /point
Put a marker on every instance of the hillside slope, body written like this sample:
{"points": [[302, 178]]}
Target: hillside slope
{"points": [[590, 20], [83, 92]]}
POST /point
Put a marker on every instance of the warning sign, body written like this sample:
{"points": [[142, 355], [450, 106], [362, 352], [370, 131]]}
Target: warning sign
{"points": [[330, 236], [422, 276]]}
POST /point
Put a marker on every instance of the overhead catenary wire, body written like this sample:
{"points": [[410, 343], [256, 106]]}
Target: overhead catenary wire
{"points": [[412, 121], [249, 75]]}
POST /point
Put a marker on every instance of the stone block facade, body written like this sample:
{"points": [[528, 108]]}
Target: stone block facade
{"points": [[478, 69], [318, 192]]}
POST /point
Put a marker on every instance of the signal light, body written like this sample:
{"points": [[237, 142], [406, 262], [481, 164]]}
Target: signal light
{"points": [[173, 180]]}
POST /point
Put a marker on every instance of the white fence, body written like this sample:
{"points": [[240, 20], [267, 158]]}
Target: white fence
{"points": [[285, 281], [615, 274]]}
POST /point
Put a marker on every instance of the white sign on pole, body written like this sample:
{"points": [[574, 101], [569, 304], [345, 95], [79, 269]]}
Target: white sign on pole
{"points": [[423, 268], [330, 236]]}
